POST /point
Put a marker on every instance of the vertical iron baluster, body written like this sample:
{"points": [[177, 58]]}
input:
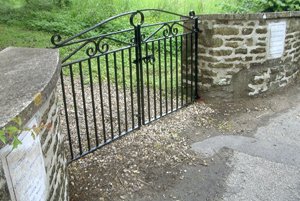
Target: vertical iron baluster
{"points": [[124, 90], [101, 98], [181, 69], [117, 91], [196, 57], [148, 87], [66, 113], [171, 73], [186, 68], [131, 88], [75, 108], [93, 102], [84, 106], [137, 40], [154, 83], [176, 65], [166, 79], [192, 69], [159, 77], [109, 96], [142, 84]]}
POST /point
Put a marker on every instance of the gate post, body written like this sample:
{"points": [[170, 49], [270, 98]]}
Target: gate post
{"points": [[139, 67], [196, 30]]}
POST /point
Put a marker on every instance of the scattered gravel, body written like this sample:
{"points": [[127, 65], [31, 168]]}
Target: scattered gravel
{"points": [[122, 168]]}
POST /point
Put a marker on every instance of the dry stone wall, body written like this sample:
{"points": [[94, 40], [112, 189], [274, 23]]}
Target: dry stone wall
{"points": [[247, 55]]}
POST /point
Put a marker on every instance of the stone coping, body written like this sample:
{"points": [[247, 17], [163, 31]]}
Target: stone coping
{"points": [[27, 77], [251, 16]]}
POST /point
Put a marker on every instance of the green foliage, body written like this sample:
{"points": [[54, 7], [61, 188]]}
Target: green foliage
{"points": [[251, 6], [241, 6], [280, 5], [12, 35], [10, 133], [69, 17]]}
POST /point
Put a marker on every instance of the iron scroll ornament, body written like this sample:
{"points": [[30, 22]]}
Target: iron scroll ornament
{"points": [[95, 45], [133, 15], [57, 41]]}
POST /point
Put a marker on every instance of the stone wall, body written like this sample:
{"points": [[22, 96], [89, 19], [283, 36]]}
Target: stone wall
{"points": [[36, 169], [239, 55]]}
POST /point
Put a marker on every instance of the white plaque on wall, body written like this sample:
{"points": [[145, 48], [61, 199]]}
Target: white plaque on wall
{"points": [[25, 169], [276, 39]]}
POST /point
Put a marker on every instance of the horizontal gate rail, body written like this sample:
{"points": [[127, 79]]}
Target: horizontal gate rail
{"points": [[113, 83]]}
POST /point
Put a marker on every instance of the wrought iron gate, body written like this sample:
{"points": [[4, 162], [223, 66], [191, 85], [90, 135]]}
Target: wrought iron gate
{"points": [[113, 83]]}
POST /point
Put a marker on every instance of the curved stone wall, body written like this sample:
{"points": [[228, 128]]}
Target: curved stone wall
{"points": [[36, 169]]}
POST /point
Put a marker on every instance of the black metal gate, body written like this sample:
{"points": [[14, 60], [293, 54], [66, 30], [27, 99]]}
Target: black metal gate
{"points": [[113, 83]]}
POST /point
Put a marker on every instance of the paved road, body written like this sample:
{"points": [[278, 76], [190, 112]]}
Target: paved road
{"points": [[263, 167], [256, 159]]}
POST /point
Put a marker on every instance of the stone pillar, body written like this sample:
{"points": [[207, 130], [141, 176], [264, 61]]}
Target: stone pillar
{"points": [[247, 55], [36, 169]]}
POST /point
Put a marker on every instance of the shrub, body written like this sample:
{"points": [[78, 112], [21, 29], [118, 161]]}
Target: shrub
{"points": [[250, 6], [280, 5]]}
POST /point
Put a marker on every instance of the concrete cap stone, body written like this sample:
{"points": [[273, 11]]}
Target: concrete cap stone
{"points": [[27, 78]]}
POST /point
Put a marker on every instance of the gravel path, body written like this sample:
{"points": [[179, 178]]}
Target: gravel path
{"points": [[133, 162]]}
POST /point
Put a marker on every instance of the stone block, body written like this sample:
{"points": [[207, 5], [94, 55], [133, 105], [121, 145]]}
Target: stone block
{"points": [[258, 81], [247, 31], [289, 36], [249, 42], [221, 65], [227, 31], [261, 44], [261, 30], [260, 57], [222, 21], [220, 52], [208, 72], [288, 46], [207, 80], [202, 50], [241, 51], [209, 59], [232, 44], [234, 39], [251, 24], [248, 58], [289, 73], [262, 22], [297, 44], [211, 42], [241, 65], [239, 23], [234, 59], [258, 50]]}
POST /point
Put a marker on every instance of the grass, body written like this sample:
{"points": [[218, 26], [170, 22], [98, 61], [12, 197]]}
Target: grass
{"points": [[41, 16], [22, 37], [33, 25]]}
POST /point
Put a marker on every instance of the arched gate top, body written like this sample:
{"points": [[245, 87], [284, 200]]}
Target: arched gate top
{"points": [[57, 41]]}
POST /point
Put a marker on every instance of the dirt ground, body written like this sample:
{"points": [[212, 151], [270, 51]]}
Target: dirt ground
{"points": [[157, 159]]}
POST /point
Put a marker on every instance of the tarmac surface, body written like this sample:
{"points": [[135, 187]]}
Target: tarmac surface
{"points": [[257, 159], [265, 166]]}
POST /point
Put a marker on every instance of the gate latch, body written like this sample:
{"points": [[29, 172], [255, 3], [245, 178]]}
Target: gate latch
{"points": [[147, 59]]}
